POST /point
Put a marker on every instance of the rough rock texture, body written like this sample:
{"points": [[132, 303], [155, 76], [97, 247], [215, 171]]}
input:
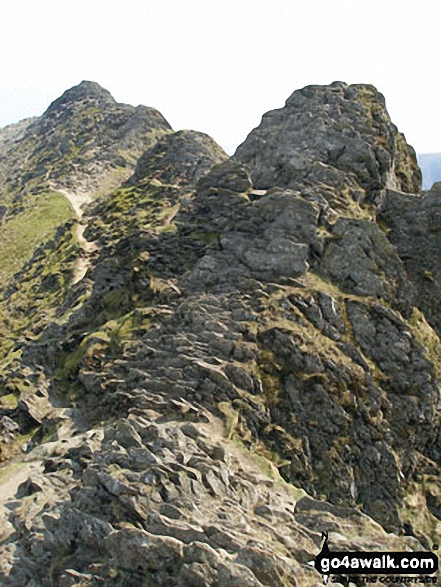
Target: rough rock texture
{"points": [[339, 135], [245, 364], [413, 226], [193, 153], [13, 132], [378, 272], [80, 143]]}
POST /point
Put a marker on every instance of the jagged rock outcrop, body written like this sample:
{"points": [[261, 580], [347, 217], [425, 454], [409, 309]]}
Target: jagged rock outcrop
{"points": [[338, 135], [245, 364], [181, 159], [85, 141], [413, 228]]}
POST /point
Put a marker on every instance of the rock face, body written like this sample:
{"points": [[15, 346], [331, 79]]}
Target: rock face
{"points": [[250, 359], [339, 135], [181, 158], [412, 225]]}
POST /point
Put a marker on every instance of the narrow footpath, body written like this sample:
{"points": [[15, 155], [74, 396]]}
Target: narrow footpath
{"points": [[87, 248]]}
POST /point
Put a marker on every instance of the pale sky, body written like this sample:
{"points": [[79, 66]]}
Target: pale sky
{"points": [[218, 65]]}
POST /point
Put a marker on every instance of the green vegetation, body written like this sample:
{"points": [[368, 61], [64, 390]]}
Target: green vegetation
{"points": [[104, 344], [9, 401], [111, 180], [268, 370], [405, 166], [11, 451], [22, 233], [44, 285], [369, 98], [151, 207], [428, 338], [236, 430], [231, 418]]}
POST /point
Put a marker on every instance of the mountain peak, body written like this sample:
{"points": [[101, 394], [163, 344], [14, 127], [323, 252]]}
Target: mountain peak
{"points": [[334, 130], [83, 137], [86, 90]]}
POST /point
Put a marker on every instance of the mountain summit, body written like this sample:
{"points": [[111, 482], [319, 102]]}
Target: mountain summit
{"points": [[84, 145], [224, 358], [342, 132], [86, 91]]}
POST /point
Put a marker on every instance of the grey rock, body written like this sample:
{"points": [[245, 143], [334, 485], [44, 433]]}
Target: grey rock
{"points": [[8, 424], [230, 175], [183, 157], [414, 229], [240, 369], [361, 260], [345, 127]]}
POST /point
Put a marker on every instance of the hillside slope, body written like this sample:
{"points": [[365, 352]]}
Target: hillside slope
{"points": [[249, 360], [84, 145]]}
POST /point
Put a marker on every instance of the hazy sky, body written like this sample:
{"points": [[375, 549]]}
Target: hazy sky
{"points": [[218, 65]]}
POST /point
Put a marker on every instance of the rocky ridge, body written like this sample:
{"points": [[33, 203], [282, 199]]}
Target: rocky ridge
{"points": [[85, 144], [250, 359], [341, 137]]}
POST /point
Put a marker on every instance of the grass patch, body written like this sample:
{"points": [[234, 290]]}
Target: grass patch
{"points": [[41, 288], [22, 233], [104, 344], [10, 451], [147, 207], [8, 402], [231, 418]]}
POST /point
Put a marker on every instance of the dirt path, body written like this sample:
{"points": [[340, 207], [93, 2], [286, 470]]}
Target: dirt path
{"points": [[78, 200], [86, 249]]}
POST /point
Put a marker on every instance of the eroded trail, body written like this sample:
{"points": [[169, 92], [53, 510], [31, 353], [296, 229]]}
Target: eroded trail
{"points": [[78, 201], [84, 260]]}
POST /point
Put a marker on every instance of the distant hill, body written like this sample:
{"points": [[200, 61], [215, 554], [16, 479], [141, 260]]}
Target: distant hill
{"points": [[84, 145], [430, 165]]}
